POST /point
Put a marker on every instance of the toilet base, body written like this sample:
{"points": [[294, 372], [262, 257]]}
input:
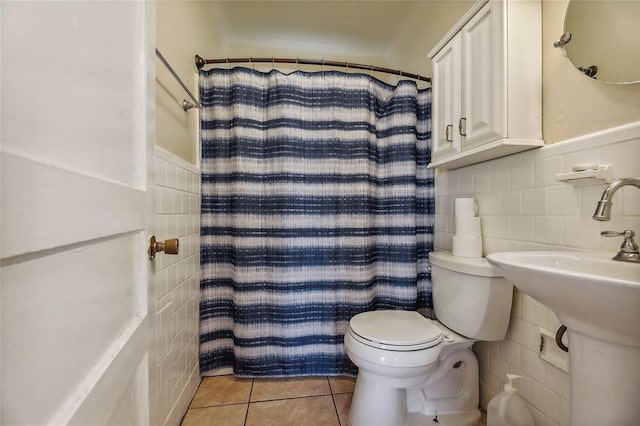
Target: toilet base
{"points": [[384, 416], [450, 390], [469, 418], [377, 403], [453, 388]]}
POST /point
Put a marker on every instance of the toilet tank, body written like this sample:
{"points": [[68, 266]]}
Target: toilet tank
{"points": [[470, 296]]}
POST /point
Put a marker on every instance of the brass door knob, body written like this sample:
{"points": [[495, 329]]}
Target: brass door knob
{"points": [[168, 246]]}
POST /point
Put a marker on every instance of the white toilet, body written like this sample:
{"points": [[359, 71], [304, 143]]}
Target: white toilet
{"points": [[416, 371]]}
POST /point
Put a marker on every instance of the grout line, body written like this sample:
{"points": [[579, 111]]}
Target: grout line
{"points": [[251, 389], [190, 402], [246, 413], [290, 397], [333, 397], [218, 406], [330, 387], [335, 405], [335, 408]]}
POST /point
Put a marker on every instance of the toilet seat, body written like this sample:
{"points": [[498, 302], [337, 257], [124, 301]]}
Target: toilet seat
{"points": [[395, 330]]}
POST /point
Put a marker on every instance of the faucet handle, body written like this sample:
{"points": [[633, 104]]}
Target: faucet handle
{"points": [[627, 233], [629, 251]]}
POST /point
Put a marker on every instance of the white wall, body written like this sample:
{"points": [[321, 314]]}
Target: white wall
{"points": [[423, 29], [572, 103], [522, 207], [175, 293], [389, 34], [184, 29]]}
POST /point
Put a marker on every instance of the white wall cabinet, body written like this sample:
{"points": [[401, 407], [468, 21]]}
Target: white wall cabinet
{"points": [[487, 84]]}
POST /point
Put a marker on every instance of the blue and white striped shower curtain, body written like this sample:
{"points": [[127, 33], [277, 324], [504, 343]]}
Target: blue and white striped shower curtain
{"points": [[316, 205]]}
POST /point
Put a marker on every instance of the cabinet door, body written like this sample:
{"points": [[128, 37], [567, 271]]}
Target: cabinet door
{"points": [[483, 95], [446, 100]]}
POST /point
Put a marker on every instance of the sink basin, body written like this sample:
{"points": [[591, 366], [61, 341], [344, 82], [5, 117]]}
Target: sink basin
{"points": [[590, 293], [598, 299]]}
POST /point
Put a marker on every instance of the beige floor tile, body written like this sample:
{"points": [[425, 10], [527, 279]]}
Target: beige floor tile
{"points": [[269, 389], [222, 390], [311, 411], [226, 415], [342, 384], [343, 403]]}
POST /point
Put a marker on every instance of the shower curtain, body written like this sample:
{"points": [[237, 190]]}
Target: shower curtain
{"points": [[316, 205]]}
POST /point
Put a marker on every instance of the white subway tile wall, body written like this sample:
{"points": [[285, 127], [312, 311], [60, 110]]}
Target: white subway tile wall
{"points": [[175, 305], [523, 207]]}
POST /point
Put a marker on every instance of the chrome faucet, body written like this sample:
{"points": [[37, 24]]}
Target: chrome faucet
{"points": [[629, 249], [603, 211]]}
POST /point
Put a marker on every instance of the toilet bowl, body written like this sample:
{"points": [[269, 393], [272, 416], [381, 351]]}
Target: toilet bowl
{"points": [[412, 370]]}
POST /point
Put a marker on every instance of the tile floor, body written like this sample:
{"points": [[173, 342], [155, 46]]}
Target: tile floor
{"points": [[310, 401], [229, 401]]}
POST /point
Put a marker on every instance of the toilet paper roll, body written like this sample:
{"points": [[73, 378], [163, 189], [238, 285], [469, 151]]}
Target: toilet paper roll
{"points": [[467, 226], [465, 207], [467, 246]]}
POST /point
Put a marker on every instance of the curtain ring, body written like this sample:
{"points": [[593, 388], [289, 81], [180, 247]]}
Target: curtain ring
{"points": [[253, 65], [297, 64], [273, 63], [227, 59], [346, 64]]}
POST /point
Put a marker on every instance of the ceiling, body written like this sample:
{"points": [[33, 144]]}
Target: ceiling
{"points": [[341, 27]]}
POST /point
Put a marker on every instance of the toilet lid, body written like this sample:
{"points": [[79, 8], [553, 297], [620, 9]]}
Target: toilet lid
{"points": [[395, 330]]}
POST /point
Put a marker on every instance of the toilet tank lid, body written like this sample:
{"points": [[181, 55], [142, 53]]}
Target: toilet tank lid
{"points": [[467, 265]]}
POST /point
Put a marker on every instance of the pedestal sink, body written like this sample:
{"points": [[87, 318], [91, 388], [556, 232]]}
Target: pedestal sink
{"points": [[598, 299]]}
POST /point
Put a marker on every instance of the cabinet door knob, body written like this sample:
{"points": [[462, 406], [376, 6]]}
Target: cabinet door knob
{"points": [[447, 133], [461, 126], [169, 247]]}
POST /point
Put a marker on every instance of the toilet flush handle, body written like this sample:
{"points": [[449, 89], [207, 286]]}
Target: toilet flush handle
{"points": [[171, 246]]}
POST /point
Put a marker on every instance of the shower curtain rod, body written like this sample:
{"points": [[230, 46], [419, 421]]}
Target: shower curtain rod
{"points": [[201, 62], [186, 105]]}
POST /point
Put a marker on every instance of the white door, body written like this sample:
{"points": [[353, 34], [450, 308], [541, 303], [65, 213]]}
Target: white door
{"points": [[76, 124]]}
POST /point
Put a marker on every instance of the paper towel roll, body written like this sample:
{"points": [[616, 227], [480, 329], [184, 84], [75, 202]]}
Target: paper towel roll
{"points": [[467, 246], [467, 226], [465, 207]]}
